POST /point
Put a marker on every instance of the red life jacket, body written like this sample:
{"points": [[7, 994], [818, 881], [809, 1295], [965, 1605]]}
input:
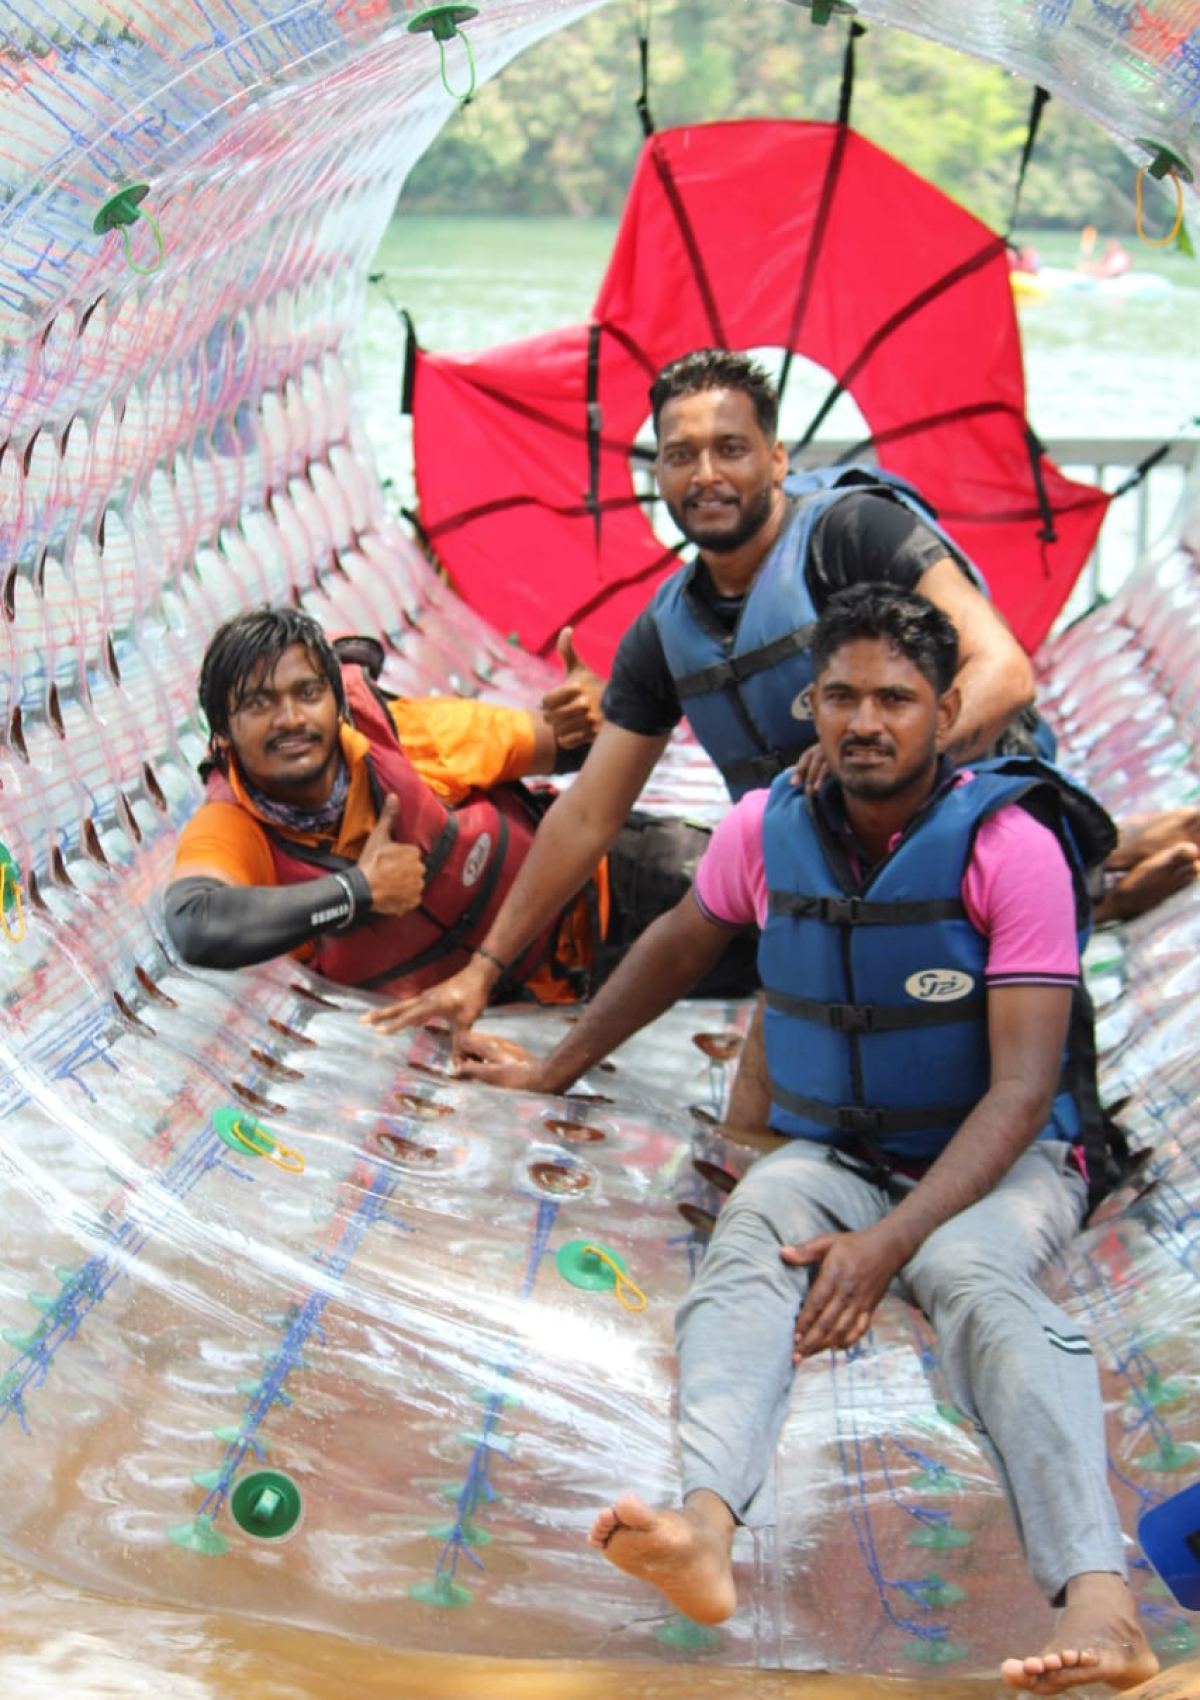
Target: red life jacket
{"points": [[471, 853]]}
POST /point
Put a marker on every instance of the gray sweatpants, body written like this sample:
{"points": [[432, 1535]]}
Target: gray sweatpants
{"points": [[1017, 1366]]}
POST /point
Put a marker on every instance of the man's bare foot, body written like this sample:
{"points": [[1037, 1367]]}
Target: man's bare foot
{"points": [[1150, 882], [1140, 836], [1098, 1639], [685, 1554]]}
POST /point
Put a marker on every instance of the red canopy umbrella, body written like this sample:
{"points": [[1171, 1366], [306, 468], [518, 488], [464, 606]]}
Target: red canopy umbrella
{"points": [[755, 234]]}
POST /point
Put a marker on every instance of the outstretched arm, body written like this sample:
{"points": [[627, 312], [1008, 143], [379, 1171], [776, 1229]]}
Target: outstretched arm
{"points": [[995, 678], [1027, 1029], [665, 963], [215, 922], [573, 836]]}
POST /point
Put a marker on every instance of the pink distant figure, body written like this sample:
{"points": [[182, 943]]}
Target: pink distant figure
{"points": [[1115, 261]]}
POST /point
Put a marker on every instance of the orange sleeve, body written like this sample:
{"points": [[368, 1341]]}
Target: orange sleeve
{"points": [[458, 745], [222, 838]]}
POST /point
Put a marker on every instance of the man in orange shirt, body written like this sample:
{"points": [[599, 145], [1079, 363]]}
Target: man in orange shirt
{"points": [[376, 837]]}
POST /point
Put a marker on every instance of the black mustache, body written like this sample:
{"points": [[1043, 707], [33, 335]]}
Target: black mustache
{"points": [[865, 744], [290, 738]]}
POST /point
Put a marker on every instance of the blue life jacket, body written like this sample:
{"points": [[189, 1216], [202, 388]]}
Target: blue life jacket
{"points": [[744, 692], [876, 1017]]}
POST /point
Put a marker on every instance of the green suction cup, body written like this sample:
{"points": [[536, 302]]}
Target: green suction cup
{"points": [[443, 1591], [199, 1536], [266, 1504], [691, 1637], [579, 1263], [120, 208], [441, 21]]}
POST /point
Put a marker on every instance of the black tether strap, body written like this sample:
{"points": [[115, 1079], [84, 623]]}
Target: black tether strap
{"points": [[408, 376], [847, 91], [643, 100], [591, 497], [1040, 98], [739, 667], [975, 262], [1144, 467], [812, 257], [861, 912], [874, 1018], [857, 1119], [1047, 534], [708, 300]]}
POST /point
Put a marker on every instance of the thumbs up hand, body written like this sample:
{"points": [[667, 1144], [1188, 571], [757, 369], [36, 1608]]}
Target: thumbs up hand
{"points": [[572, 709], [395, 872]]}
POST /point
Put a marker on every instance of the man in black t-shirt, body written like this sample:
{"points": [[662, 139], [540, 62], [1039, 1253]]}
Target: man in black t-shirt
{"points": [[721, 471], [864, 537]]}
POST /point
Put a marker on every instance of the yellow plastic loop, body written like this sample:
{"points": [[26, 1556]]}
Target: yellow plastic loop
{"points": [[260, 1143], [7, 872], [622, 1280], [1160, 241]]}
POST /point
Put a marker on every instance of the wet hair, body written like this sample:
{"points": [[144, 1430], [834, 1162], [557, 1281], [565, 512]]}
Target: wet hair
{"points": [[718, 369], [255, 642], [910, 622]]}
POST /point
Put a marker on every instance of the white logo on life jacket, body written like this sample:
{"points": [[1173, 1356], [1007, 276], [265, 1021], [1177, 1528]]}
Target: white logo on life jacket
{"points": [[477, 861], [802, 704], [939, 985]]}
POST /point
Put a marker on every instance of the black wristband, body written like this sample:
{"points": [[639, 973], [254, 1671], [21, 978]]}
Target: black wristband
{"points": [[478, 950]]}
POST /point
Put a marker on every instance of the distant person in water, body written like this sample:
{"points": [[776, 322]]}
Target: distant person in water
{"points": [[1115, 261], [939, 1155]]}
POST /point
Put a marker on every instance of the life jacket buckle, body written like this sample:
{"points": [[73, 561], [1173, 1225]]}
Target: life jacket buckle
{"points": [[852, 1017], [843, 911], [858, 1119]]}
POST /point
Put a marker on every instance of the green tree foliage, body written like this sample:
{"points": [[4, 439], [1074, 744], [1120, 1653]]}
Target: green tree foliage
{"points": [[558, 132]]}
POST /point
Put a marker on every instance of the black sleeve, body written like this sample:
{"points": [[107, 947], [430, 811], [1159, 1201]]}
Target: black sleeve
{"points": [[231, 926], [869, 539], [640, 695]]}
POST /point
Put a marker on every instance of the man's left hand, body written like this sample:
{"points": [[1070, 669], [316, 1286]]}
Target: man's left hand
{"points": [[497, 1062], [853, 1275], [811, 770], [572, 709]]}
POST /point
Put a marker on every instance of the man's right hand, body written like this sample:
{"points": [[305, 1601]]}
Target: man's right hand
{"points": [[395, 872], [458, 1001]]}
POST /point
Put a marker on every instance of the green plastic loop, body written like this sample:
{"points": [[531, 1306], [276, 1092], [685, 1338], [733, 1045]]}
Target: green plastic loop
{"points": [[443, 1591], [924, 1652], [936, 1591], [940, 1537], [579, 1264], [442, 22], [692, 1637], [469, 1533], [199, 1536], [122, 209], [937, 1481], [266, 1504], [1169, 1456]]}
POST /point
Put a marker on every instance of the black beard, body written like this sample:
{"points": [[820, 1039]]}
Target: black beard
{"points": [[754, 516]]}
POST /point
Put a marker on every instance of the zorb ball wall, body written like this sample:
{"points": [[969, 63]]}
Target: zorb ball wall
{"points": [[293, 1324]]}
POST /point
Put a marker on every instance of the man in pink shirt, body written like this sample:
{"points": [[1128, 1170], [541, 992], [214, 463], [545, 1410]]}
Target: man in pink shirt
{"points": [[928, 1081]]}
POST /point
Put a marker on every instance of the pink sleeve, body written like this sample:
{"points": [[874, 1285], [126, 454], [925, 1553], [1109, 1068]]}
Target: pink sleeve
{"points": [[1017, 891], [731, 883]]}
